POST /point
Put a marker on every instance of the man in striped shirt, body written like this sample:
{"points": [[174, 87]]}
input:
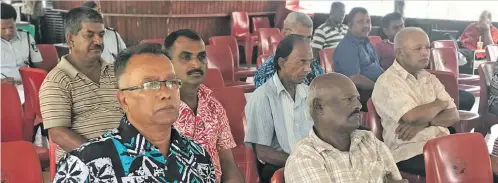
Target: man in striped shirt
{"points": [[330, 33], [77, 98]]}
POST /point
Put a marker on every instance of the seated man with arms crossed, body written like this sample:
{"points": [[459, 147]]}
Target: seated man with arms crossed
{"points": [[145, 147], [336, 150], [412, 103], [277, 114]]}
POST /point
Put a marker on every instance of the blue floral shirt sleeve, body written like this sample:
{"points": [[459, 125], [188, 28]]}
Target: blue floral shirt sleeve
{"points": [[267, 70]]}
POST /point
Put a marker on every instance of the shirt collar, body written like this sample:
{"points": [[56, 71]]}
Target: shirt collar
{"points": [[203, 94], [320, 145], [405, 74], [357, 40], [300, 89], [68, 68]]}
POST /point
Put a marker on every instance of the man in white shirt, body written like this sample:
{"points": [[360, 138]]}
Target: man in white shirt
{"points": [[18, 47]]}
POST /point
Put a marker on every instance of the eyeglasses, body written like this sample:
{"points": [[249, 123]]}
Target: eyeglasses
{"points": [[156, 85]]}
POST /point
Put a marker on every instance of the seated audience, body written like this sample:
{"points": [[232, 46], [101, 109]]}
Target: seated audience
{"points": [[392, 23], [277, 114], [295, 23], [336, 150], [482, 29], [112, 40], [145, 147], [202, 117], [77, 98], [412, 103], [18, 47], [355, 56], [493, 92], [331, 32]]}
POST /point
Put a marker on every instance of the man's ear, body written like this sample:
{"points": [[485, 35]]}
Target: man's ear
{"points": [[69, 40], [317, 106], [281, 62], [120, 96]]}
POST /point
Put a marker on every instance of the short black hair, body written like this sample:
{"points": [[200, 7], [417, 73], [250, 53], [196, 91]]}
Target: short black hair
{"points": [[354, 12], [124, 56], [285, 47], [171, 38], [336, 5], [89, 4], [386, 20], [76, 16], [8, 12]]}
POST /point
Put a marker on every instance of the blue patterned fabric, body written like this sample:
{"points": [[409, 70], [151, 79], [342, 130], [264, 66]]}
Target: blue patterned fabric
{"points": [[267, 70], [123, 155]]}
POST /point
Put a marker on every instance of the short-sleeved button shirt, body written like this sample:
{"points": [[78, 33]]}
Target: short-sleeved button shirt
{"points": [[68, 98], [357, 56], [208, 127], [16, 53], [111, 41], [395, 93]]}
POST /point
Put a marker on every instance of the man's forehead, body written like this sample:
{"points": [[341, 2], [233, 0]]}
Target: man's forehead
{"points": [[92, 26], [184, 44]]}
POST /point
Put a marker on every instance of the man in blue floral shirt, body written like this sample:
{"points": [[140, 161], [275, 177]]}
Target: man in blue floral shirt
{"points": [[295, 23], [145, 147]]}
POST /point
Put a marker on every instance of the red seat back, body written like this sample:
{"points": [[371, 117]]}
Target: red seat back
{"points": [[213, 78], [278, 176], [462, 158], [450, 83], [159, 41], [373, 120], [10, 114], [274, 41], [485, 71], [49, 55], [239, 25], [261, 60], [234, 101], [52, 156], [32, 79], [220, 57], [20, 163], [264, 35], [444, 44], [444, 59], [492, 52], [326, 59], [260, 22], [231, 42], [374, 40]]}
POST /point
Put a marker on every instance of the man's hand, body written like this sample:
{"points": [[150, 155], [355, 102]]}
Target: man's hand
{"points": [[483, 27], [407, 131], [389, 179]]}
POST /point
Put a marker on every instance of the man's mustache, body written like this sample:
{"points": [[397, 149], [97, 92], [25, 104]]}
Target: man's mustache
{"points": [[190, 72], [356, 111]]}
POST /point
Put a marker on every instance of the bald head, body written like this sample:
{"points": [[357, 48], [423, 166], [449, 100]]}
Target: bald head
{"points": [[412, 49], [298, 23], [408, 34], [334, 103]]}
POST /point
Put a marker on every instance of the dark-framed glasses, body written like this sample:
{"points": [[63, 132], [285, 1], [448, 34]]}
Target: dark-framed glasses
{"points": [[173, 84]]}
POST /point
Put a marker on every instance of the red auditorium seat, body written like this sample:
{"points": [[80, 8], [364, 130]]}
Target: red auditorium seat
{"points": [[492, 52], [462, 158], [239, 24], [260, 22], [274, 40], [234, 48], [49, 55], [52, 156], [444, 59], [326, 59], [20, 163], [278, 176], [444, 44], [32, 80], [374, 40], [468, 120], [213, 78], [264, 42], [219, 56], [261, 60], [486, 73], [159, 41], [12, 119], [233, 100]]}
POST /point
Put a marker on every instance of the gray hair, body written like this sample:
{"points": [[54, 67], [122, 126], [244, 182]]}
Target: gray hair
{"points": [[297, 17], [399, 39], [76, 16]]}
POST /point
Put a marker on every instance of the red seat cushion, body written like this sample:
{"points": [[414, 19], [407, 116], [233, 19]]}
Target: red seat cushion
{"points": [[247, 87], [468, 121], [469, 88], [468, 79], [42, 153], [244, 73]]}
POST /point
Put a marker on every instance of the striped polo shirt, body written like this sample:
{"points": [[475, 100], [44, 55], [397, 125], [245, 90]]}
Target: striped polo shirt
{"points": [[326, 36], [70, 99]]}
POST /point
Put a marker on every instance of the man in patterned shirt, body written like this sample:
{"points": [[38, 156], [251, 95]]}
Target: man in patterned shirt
{"points": [[336, 150], [330, 33], [202, 117], [145, 147], [295, 23]]}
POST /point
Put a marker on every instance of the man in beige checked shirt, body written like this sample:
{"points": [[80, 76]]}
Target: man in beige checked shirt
{"points": [[336, 150]]}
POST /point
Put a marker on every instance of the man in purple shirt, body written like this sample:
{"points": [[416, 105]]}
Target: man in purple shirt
{"points": [[392, 23]]}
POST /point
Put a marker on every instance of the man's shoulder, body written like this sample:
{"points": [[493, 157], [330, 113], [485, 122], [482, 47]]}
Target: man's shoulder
{"points": [[305, 148], [264, 90], [57, 75]]}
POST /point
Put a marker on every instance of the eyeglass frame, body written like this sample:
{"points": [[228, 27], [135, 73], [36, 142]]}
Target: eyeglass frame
{"points": [[142, 86]]}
